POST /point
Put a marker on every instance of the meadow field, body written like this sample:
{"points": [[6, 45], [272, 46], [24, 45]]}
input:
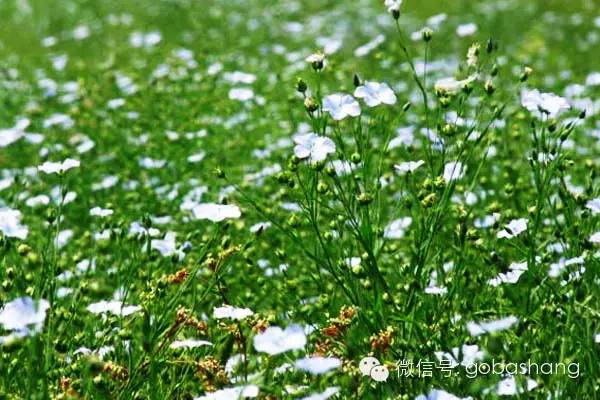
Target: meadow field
{"points": [[299, 199]]}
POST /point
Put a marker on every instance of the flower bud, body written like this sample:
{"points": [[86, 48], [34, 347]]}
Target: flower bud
{"points": [[23, 249], [365, 199], [322, 188], [310, 104], [426, 34], [489, 87], [525, 75], [301, 85], [491, 45]]}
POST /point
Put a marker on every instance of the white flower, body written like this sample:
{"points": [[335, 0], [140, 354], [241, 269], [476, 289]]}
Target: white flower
{"points": [[467, 354], [437, 394], [513, 228], [451, 85], [369, 47], [11, 135], [510, 387], [340, 106], [275, 340], [101, 212], [393, 5], [58, 167], [397, 228], [261, 226], [114, 307], [453, 170], [409, 166], [313, 147], [216, 212], [239, 77], [556, 269], [595, 238], [480, 328], [137, 229], [189, 343], [24, 313], [515, 270], [594, 205], [167, 246], [318, 365], [327, 393], [40, 200], [234, 393], [375, 93], [341, 167], [100, 353], [10, 223], [150, 163], [241, 94], [317, 60], [231, 312], [539, 103], [466, 29]]}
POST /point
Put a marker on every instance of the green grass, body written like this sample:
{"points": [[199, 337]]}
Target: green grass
{"points": [[297, 269]]}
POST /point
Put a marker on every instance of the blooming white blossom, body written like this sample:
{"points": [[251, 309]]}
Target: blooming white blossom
{"points": [[167, 246], [24, 314], [393, 5], [216, 212], [557, 268], [313, 147], [369, 47], [438, 394], [453, 170], [231, 312], [275, 340], [513, 228], [595, 238], [408, 166], [318, 365], [397, 228], [539, 103], [317, 60], [10, 223], [324, 395], [189, 343], [510, 387], [340, 106], [480, 328], [58, 167], [241, 94], [375, 93], [101, 212], [515, 270], [11, 135], [451, 85], [466, 355], [466, 29], [234, 393], [239, 77], [100, 353], [114, 307], [261, 226], [593, 205]]}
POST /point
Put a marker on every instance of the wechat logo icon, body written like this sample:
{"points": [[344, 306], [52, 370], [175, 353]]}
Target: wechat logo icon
{"points": [[370, 366]]}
